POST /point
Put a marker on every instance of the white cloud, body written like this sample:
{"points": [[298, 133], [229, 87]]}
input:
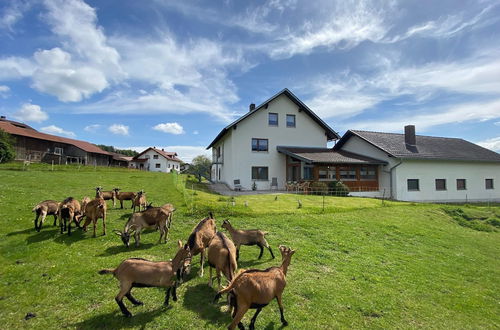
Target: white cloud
{"points": [[492, 144], [185, 153], [196, 132], [31, 112], [15, 68], [426, 118], [92, 128], [4, 91], [172, 128], [52, 129], [118, 129], [12, 14]]}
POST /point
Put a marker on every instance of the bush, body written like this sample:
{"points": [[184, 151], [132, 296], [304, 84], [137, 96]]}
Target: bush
{"points": [[318, 188], [337, 188], [7, 152]]}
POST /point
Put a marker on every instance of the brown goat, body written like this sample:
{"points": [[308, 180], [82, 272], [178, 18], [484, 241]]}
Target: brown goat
{"points": [[94, 210], [124, 196], [136, 272], [140, 200], [106, 195], [256, 288], [247, 237], [45, 208], [152, 217], [221, 256], [200, 238], [70, 211]]}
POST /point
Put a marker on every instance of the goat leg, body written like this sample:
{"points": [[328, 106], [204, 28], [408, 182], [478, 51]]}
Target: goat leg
{"points": [[36, 222], [280, 304], [174, 292], [133, 300], [261, 251], [124, 309], [167, 296], [55, 220], [272, 254], [252, 322], [69, 228]]}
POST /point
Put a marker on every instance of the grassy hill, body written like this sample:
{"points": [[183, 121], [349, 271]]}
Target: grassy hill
{"points": [[360, 263]]}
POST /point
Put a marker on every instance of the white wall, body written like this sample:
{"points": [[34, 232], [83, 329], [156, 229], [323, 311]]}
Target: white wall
{"points": [[427, 171], [239, 157]]}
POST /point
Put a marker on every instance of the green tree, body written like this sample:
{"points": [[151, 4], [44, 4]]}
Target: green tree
{"points": [[200, 166], [7, 152]]}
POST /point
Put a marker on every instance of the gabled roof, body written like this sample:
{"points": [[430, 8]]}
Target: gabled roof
{"points": [[427, 147], [327, 156], [20, 129], [330, 133], [165, 154]]}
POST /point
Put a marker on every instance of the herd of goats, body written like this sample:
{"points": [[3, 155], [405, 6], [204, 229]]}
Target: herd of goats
{"points": [[247, 289]]}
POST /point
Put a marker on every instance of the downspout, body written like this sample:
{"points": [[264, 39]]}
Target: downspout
{"points": [[390, 176]]}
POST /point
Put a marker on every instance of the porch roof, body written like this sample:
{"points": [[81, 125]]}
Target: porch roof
{"points": [[313, 155]]}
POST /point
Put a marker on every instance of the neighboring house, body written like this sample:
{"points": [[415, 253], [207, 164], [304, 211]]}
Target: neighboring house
{"points": [[120, 160], [246, 151], [426, 168], [34, 146], [156, 160]]}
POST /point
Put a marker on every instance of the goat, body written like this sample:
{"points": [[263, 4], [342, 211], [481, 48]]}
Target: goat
{"points": [[247, 237], [256, 288], [136, 272], [153, 217], [200, 238], [221, 256], [106, 195], [70, 210], [48, 207], [94, 210], [140, 200], [124, 196]]}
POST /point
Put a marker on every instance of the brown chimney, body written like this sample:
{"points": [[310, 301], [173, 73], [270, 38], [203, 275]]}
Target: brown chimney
{"points": [[252, 107], [410, 138]]}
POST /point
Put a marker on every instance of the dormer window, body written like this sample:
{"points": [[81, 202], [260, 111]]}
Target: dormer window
{"points": [[273, 119]]}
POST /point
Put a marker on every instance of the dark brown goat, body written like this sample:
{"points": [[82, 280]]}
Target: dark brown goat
{"points": [[200, 238], [124, 196], [45, 208], [70, 211], [106, 195]]}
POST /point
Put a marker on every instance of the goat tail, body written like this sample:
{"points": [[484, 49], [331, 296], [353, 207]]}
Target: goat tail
{"points": [[106, 271], [35, 209]]}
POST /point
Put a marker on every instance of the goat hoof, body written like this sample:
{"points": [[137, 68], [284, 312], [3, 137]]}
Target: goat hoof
{"points": [[285, 323], [128, 315]]}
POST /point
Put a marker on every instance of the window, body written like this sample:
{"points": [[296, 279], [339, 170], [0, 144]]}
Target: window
{"points": [[259, 173], [290, 120], [461, 184], [368, 173], [440, 184], [488, 183], [323, 173], [308, 172], [347, 173], [155, 156], [273, 119], [147, 156], [58, 151], [218, 151], [259, 144], [158, 165], [413, 185]]}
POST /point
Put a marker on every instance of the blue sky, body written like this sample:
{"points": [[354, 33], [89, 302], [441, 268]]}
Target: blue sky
{"points": [[172, 74]]}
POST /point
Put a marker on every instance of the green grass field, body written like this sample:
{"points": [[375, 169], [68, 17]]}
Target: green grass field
{"points": [[360, 263]]}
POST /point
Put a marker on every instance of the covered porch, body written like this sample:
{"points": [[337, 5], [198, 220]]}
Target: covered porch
{"points": [[307, 165]]}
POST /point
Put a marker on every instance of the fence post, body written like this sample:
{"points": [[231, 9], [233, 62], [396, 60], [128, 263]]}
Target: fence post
{"points": [[323, 201]]}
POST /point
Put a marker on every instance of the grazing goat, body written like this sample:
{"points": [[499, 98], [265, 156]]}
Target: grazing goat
{"points": [[153, 217], [200, 238], [106, 195], [48, 207], [140, 200], [256, 288], [94, 210], [247, 237], [69, 210], [221, 256], [136, 272], [124, 196]]}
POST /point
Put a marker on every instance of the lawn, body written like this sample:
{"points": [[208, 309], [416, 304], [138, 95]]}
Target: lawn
{"points": [[360, 263]]}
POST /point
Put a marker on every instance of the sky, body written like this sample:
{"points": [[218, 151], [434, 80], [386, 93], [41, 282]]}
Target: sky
{"points": [[172, 74]]}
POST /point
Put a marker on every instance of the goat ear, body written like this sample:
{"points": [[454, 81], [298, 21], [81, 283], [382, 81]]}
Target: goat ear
{"points": [[179, 244]]}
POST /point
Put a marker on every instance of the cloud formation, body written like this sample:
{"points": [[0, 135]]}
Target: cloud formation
{"points": [[172, 128], [118, 129], [31, 112], [492, 144], [52, 129], [92, 128]]}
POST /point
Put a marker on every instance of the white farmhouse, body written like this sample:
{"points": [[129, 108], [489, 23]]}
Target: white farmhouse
{"points": [[156, 160], [427, 168]]}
